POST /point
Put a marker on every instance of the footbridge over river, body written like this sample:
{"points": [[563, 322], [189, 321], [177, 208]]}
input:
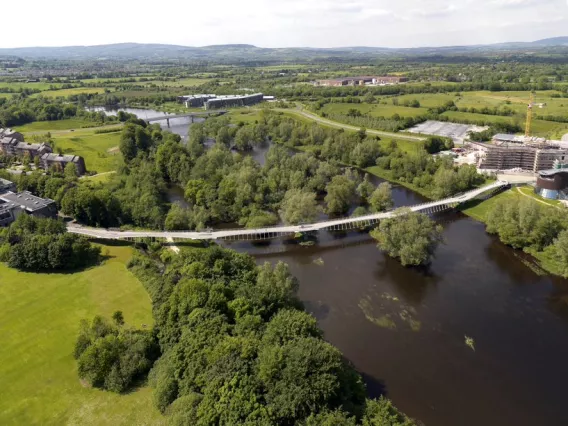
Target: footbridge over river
{"points": [[189, 114], [346, 223]]}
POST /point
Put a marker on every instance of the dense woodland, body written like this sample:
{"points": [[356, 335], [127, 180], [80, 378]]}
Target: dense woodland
{"points": [[34, 244], [224, 186], [528, 225], [235, 347]]}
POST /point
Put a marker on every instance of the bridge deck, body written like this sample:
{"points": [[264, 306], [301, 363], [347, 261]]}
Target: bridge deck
{"points": [[274, 231], [189, 114]]}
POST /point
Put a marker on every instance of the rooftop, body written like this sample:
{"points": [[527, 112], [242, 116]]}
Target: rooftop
{"points": [[552, 172], [26, 200], [60, 157]]}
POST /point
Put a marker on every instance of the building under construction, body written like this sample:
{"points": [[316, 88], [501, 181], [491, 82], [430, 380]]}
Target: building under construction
{"points": [[532, 156]]}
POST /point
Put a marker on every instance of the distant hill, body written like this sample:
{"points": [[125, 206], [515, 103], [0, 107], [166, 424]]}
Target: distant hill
{"points": [[247, 52]]}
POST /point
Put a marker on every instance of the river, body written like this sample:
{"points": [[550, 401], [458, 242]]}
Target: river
{"points": [[404, 328]]}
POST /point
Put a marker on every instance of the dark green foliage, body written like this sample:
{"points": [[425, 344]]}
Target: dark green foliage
{"points": [[238, 349], [525, 223], [435, 144], [112, 358], [409, 236], [35, 244]]}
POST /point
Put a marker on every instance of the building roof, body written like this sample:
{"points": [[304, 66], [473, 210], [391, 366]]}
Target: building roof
{"points": [[505, 137], [64, 158], [26, 200], [552, 172], [5, 182]]}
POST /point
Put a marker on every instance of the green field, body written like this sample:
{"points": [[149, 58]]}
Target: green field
{"points": [[99, 150], [182, 82], [68, 92], [42, 85], [548, 129], [374, 110], [40, 316], [49, 126]]}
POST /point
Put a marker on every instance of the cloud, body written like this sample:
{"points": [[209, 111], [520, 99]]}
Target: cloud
{"points": [[434, 12], [516, 3]]}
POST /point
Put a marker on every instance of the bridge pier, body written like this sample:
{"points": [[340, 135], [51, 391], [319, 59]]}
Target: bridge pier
{"points": [[168, 121]]}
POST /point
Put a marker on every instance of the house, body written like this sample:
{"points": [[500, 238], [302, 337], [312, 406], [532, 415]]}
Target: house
{"points": [[59, 161], [9, 133], [12, 146]]}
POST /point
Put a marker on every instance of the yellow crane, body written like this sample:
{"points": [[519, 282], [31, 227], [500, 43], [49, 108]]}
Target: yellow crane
{"points": [[529, 116]]}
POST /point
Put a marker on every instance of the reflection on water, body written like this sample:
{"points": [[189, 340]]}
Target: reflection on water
{"points": [[404, 328]]}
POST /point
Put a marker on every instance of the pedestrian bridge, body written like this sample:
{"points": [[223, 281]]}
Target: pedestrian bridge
{"points": [[189, 114], [346, 223]]}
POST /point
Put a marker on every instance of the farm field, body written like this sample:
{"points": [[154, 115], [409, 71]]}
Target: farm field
{"points": [[542, 128], [40, 316], [48, 126], [375, 110], [69, 92]]}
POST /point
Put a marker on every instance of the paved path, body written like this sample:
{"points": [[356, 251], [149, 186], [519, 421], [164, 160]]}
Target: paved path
{"points": [[328, 122], [276, 231]]}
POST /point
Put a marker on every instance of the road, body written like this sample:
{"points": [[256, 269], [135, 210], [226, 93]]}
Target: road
{"points": [[275, 231], [336, 124]]}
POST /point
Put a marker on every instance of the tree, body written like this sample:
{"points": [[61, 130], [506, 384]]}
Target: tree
{"points": [[298, 207], [409, 236], [381, 198], [365, 188], [223, 137], [70, 172], [436, 144], [561, 251], [118, 318], [244, 139], [178, 218], [339, 193]]}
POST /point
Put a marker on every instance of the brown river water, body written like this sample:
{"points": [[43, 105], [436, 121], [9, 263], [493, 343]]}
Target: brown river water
{"points": [[404, 329]]}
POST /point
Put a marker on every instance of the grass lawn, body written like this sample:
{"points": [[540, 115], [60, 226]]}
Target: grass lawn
{"points": [[479, 211], [40, 316], [99, 150], [48, 126], [68, 92], [246, 115], [374, 110]]}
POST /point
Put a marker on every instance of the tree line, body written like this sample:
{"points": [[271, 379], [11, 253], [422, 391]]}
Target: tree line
{"points": [[233, 346], [36, 244]]}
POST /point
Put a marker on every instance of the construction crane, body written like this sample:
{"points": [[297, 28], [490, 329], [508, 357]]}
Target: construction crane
{"points": [[529, 116]]}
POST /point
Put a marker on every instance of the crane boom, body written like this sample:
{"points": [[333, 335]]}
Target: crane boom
{"points": [[529, 116]]}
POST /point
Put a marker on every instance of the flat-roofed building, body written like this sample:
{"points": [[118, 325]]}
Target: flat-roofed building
{"points": [[519, 156], [233, 101], [195, 101], [9, 212], [59, 161], [552, 184], [29, 203], [6, 185], [362, 80]]}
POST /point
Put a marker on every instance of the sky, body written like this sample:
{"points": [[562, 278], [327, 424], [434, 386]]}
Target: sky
{"points": [[285, 23]]}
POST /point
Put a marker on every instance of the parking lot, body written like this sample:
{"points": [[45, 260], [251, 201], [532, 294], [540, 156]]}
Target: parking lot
{"points": [[458, 132]]}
